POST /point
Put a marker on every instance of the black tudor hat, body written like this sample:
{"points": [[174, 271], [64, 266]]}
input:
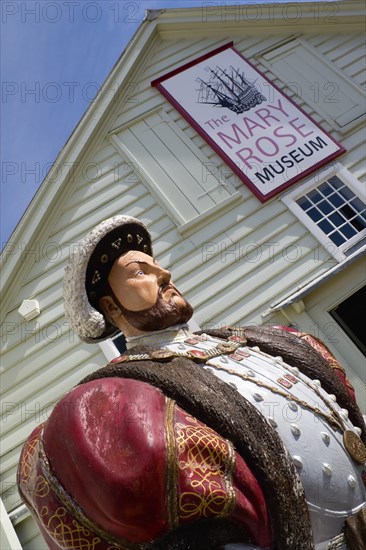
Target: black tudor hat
{"points": [[86, 275]]}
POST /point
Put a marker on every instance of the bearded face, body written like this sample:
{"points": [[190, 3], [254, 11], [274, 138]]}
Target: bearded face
{"points": [[144, 294]]}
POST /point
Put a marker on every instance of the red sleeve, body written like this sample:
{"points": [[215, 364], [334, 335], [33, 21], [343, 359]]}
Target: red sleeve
{"points": [[121, 462]]}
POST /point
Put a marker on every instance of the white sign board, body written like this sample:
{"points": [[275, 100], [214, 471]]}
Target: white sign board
{"points": [[260, 133]]}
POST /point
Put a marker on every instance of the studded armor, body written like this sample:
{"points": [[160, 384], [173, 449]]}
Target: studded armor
{"points": [[120, 465]]}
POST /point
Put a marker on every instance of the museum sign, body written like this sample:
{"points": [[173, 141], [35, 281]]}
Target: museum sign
{"points": [[267, 140]]}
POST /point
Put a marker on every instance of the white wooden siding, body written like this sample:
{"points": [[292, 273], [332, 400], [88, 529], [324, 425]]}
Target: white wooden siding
{"points": [[30, 536], [42, 359], [324, 87], [181, 185]]}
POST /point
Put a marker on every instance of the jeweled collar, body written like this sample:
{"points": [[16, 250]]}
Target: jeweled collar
{"points": [[176, 333]]}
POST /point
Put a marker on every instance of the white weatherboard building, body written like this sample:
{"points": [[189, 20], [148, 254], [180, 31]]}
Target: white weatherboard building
{"points": [[238, 260]]}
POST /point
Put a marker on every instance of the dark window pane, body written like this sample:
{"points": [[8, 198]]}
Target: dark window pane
{"points": [[337, 238], [347, 211], [314, 214], [358, 204], [325, 207], [336, 219], [314, 196], [304, 203], [325, 226], [358, 223], [336, 182], [346, 193], [348, 231], [336, 200], [325, 189]]}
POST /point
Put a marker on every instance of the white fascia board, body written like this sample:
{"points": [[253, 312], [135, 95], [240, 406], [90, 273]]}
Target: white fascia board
{"points": [[305, 289], [8, 537], [213, 17]]}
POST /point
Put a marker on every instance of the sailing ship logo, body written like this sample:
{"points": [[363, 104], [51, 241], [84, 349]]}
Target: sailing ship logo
{"points": [[229, 88]]}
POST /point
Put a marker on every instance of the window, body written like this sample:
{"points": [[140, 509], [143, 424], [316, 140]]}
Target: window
{"points": [[333, 210], [336, 210], [174, 168], [311, 77]]}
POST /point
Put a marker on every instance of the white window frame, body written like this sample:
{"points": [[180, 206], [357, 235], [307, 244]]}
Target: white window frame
{"points": [[290, 198]]}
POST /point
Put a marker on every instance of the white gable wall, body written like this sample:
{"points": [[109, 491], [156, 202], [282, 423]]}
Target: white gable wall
{"points": [[231, 267]]}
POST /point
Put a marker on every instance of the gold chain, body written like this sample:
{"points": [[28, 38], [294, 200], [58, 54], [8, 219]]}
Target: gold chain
{"points": [[333, 422], [333, 418], [314, 387]]}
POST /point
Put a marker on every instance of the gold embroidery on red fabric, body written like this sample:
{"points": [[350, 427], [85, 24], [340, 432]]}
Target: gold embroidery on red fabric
{"points": [[68, 536], [83, 526], [26, 464], [42, 487], [74, 536], [172, 468], [207, 461]]}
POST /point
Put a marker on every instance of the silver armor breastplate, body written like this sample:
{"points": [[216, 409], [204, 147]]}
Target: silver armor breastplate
{"points": [[301, 412]]}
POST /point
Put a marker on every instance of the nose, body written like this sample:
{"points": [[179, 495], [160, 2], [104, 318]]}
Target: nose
{"points": [[164, 276]]}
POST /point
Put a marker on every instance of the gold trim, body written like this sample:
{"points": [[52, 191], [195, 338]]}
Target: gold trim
{"points": [[172, 466], [332, 361], [68, 535], [75, 510], [229, 469], [355, 446], [160, 354], [207, 461]]}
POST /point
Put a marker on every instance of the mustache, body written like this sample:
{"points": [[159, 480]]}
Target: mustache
{"points": [[167, 286], [161, 315]]}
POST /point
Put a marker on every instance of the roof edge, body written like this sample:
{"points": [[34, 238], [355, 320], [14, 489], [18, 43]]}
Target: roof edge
{"points": [[303, 290], [151, 15]]}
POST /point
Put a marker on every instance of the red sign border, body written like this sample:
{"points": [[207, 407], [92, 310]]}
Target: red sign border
{"points": [[157, 83]]}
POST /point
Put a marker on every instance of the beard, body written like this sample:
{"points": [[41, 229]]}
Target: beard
{"points": [[163, 314]]}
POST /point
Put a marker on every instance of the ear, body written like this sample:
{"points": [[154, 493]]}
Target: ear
{"points": [[109, 308]]}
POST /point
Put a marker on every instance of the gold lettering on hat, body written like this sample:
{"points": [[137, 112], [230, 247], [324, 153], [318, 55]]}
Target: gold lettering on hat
{"points": [[145, 247], [129, 238], [104, 259], [139, 239], [96, 277], [117, 243]]}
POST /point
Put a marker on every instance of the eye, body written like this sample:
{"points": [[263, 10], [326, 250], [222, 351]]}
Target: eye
{"points": [[140, 272]]}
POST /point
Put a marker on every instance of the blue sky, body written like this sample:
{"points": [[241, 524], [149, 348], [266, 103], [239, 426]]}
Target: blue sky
{"points": [[54, 56]]}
